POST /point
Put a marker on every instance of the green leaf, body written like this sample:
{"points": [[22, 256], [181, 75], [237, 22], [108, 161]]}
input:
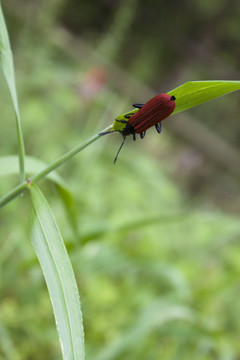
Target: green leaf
{"points": [[188, 95], [6, 62], [194, 93], [59, 276]]}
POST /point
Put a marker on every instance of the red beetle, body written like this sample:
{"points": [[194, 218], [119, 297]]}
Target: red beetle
{"points": [[149, 114]]}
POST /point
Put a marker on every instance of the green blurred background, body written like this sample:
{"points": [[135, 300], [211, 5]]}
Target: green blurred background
{"points": [[154, 240]]}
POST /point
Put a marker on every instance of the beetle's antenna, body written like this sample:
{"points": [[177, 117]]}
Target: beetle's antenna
{"points": [[119, 150], [108, 132]]}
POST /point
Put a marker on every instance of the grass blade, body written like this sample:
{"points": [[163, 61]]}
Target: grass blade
{"points": [[59, 276], [190, 94], [6, 61], [194, 93]]}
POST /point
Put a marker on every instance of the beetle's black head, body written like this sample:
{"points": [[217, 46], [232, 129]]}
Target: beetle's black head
{"points": [[127, 130]]}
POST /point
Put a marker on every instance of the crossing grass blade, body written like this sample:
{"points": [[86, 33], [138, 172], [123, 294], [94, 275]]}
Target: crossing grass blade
{"points": [[6, 62], [9, 166], [194, 93], [52, 255]]}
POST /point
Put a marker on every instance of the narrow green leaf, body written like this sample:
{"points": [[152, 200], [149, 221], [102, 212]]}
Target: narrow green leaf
{"points": [[6, 62], [194, 93], [59, 276], [190, 94]]}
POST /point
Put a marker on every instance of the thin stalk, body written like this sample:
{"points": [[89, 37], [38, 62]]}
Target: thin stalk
{"points": [[21, 151], [6, 62], [26, 184]]}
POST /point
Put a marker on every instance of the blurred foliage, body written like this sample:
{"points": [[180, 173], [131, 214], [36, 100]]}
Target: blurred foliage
{"points": [[156, 249]]}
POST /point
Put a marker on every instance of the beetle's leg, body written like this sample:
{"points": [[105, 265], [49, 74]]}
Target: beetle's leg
{"points": [[139, 106], [158, 127], [127, 116], [142, 134], [122, 121], [134, 136]]}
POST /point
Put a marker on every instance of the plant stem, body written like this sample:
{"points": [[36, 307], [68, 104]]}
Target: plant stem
{"points": [[21, 151], [26, 184]]}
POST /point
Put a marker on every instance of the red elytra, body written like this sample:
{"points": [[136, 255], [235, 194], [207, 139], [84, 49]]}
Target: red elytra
{"points": [[154, 111]]}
